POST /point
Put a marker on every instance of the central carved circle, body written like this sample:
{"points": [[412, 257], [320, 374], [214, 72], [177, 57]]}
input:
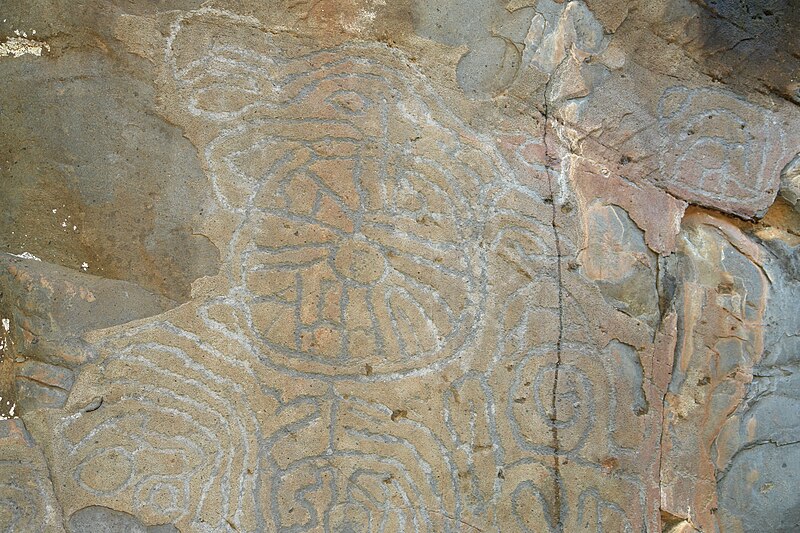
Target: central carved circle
{"points": [[359, 261]]}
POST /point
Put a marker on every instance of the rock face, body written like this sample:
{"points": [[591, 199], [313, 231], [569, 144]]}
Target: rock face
{"points": [[360, 265]]}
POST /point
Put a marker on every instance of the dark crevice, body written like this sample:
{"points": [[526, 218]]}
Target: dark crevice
{"points": [[720, 474], [671, 522], [549, 169], [668, 294]]}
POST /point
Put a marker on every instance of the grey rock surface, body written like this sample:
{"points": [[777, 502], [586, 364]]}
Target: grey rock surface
{"points": [[97, 519], [368, 265]]}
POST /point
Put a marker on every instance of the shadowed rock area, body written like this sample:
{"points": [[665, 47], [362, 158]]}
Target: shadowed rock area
{"points": [[358, 265]]}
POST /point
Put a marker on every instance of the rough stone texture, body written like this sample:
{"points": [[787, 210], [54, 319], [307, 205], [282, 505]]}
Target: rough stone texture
{"points": [[360, 265], [91, 174], [27, 502], [105, 520]]}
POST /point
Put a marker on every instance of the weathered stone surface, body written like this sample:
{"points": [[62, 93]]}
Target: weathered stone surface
{"points": [[790, 182], [48, 308], [105, 520], [27, 502], [91, 174], [360, 265]]}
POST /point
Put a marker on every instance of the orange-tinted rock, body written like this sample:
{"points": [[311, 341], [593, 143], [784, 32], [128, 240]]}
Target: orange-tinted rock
{"points": [[398, 266]]}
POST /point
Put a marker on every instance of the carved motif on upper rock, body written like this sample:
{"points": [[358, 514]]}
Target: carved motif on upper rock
{"points": [[719, 150]]}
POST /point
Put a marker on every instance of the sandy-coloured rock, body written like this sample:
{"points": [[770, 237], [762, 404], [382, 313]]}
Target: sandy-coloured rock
{"points": [[358, 265]]}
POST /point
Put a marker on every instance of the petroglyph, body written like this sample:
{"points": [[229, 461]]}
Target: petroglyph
{"points": [[711, 139], [460, 283], [362, 204]]}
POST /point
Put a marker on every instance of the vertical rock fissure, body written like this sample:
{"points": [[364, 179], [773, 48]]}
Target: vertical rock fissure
{"points": [[8, 403], [549, 166], [661, 451], [667, 305]]}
